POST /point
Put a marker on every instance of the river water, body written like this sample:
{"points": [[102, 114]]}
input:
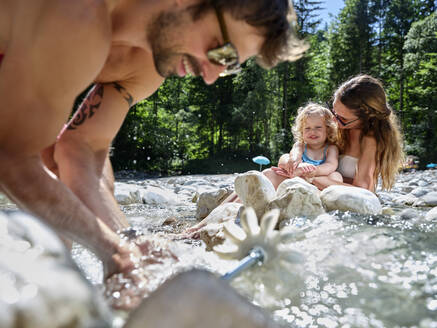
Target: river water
{"points": [[359, 271]]}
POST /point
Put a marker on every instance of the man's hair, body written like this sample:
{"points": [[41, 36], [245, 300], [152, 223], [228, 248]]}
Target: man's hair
{"points": [[275, 19]]}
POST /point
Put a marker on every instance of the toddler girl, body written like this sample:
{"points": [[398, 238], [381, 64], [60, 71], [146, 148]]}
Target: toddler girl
{"points": [[315, 128]]}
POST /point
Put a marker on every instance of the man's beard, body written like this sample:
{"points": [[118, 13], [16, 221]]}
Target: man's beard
{"points": [[165, 50]]}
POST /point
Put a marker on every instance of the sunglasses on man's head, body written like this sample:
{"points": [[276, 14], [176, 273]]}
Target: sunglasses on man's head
{"points": [[227, 54], [338, 118]]}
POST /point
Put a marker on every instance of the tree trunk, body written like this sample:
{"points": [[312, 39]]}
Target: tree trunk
{"points": [[284, 97]]}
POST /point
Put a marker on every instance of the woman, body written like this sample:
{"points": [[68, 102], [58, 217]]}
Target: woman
{"points": [[370, 140]]}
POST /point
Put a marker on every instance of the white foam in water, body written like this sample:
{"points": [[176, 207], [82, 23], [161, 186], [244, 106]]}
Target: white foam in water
{"points": [[360, 271]]}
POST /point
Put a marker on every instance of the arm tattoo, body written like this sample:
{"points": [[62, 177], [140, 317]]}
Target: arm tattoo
{"points": [[126, 95], [88, 107]]}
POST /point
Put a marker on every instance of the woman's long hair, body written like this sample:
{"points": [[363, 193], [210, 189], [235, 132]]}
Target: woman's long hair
{"points": [[365, 97]]}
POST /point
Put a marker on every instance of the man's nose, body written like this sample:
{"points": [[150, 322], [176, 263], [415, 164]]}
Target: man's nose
{"points": [[212, 72]]}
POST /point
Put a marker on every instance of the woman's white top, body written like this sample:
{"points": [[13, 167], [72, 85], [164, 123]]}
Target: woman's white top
{"points": [[347, 166]]}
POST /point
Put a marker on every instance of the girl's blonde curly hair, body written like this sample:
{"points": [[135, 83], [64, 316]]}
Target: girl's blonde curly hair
{"points": [[313, 109]]}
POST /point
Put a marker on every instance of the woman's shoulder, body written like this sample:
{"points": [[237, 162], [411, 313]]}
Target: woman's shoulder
{"points": [[331, 146], [368, 147], [368, 141]]}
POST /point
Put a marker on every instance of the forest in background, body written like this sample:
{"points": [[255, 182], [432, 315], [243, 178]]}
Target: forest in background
{"points": [[188, 127]]}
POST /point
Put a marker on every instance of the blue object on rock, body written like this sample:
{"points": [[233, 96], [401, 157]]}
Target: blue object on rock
{"points": [[431, 165], [261, 160]]}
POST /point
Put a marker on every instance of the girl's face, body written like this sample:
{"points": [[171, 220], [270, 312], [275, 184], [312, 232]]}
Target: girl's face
{"points": [[346, 119], [314, 130]]}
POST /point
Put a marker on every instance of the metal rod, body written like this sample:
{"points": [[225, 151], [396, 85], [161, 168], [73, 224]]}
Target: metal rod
{"points": [[256, 256]]}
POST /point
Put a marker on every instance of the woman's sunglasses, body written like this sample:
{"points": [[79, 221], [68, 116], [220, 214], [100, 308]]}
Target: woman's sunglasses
{"points": [[338, 118], [227, 54]]}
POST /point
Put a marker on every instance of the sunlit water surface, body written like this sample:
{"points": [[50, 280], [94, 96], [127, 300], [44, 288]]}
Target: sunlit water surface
{"points": [[360, 271]]}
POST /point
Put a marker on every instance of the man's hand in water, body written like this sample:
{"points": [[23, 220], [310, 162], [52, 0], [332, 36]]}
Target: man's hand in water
{"points": [[131, 281]]}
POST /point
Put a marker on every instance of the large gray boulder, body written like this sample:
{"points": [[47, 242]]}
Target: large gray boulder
{"points": [[255, 190], [354, 199], [296, 197], [40, 286], [198, 299]]}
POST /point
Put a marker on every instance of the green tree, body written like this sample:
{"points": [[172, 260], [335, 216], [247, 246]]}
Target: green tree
{"points": [[421, 67]]}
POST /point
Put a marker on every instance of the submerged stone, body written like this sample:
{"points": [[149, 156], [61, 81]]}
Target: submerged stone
{"points": [[40, 286], [431, 215]]}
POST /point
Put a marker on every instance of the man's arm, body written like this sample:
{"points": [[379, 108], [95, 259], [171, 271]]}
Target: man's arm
{"points": [[40, 76], [82, 151]]}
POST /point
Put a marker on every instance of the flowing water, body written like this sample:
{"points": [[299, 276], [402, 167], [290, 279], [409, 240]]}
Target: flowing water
{"points": [[359, 271]]}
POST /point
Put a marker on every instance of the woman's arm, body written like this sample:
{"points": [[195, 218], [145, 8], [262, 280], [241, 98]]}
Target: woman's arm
{"points": [[366, 165], [366, 168]]}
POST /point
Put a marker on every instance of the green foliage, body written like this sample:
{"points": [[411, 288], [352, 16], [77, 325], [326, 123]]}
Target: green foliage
{"points": [[421, 64]]}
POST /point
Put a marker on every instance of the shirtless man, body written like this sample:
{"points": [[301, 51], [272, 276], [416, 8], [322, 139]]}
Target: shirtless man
{"points": [[51, 50]]}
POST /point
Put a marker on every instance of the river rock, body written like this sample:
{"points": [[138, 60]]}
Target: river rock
{"points": [[126, 194], [209, 200], [385, 197], [4, 200], [211, 228], [387, 210], [408, 214], [431, 215], [40, 286], [157, 196], [255, 190], [197, 299], [352, 199], [296, 197], [408, 200], [419, 191], [430, 199]]}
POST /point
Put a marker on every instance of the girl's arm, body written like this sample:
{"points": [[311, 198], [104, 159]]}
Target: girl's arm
{"points": [[295, 157], [330, 164]]}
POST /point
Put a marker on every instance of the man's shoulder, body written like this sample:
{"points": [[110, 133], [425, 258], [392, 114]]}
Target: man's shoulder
{"points": [[134, 68], [72, 20]]}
